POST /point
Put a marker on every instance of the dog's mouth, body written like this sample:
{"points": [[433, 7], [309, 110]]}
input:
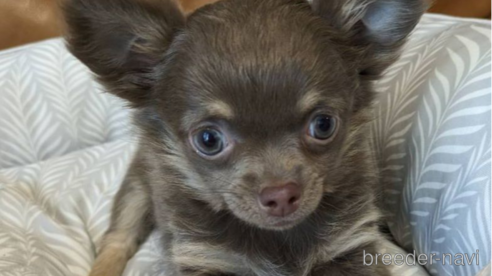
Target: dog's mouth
{"points": [[285, 223], [290, 221], [279, 208], [263, 220]]}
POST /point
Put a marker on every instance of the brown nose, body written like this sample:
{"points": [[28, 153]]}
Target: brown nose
{"points": [[280, 201]]}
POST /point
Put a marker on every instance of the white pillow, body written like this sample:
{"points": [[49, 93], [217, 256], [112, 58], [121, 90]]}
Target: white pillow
{"points": [[433, 135]]}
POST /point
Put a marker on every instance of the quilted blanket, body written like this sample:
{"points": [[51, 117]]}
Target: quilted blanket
{"points": [[65, 146]]}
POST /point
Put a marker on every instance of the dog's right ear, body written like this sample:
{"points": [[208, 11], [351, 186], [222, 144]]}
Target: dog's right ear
{"points": [[122, 41]]}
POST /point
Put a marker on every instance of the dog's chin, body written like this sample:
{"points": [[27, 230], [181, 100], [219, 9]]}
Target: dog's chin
{"points": [[267, 222], [281, 224]]}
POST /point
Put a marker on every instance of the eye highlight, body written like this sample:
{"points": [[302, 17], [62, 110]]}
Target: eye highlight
{"points": [[209, 141], [322, 127]]}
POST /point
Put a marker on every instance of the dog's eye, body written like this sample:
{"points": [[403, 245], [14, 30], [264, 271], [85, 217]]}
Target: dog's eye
{"points": [[322, 127], [209, 141]]}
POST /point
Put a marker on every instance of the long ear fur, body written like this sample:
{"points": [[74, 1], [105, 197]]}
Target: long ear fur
{"points": [[378, 27], [122, 41]]}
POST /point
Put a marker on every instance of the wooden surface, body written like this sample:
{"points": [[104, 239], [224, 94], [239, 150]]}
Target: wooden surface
{"points": [[25, 21], [191, 5], [464, 8]]}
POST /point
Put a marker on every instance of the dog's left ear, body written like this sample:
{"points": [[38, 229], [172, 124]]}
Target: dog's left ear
{"points": [[378, 27]]}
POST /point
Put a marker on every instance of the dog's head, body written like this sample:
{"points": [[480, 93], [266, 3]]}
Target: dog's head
{"points": [[253, 106]]}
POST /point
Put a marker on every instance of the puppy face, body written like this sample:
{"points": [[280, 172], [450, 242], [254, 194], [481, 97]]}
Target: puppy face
{"points": [[260, 129], [254, 104]]}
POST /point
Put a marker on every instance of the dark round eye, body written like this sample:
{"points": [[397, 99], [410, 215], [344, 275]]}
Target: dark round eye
{"points": [[322, 127], [209, 141]]}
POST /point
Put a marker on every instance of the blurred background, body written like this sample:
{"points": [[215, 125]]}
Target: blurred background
{"points": [[25, 21]]}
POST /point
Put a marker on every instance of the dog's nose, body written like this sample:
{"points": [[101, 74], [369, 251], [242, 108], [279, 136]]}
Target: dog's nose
{"points": [[280, 201]]}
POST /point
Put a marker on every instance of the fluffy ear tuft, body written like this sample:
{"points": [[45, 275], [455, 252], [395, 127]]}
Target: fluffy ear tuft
{"points": [[379, 26], [122, 41], [390, 21]]}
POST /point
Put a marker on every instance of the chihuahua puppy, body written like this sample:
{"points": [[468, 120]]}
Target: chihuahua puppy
{"points": [[253, 143]]}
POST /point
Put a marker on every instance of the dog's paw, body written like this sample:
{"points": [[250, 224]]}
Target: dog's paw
{"points": [[110, 262]]}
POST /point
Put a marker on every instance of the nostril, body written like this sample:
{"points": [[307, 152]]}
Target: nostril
{"points": [[293, 200], [271, 204]]}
